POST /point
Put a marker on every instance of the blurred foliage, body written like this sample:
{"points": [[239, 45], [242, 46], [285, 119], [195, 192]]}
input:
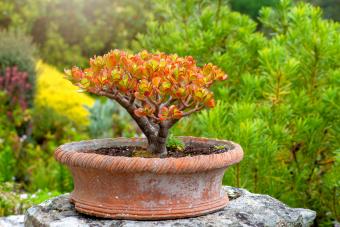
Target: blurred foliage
{"points": [[17, 80], [17, 75], [50, 130], [16, 49], [280, 102], [59, 116], [252, 8], [14, 201], [108, 119], [28, 158], [57, 93], [192, 30], [16, 85], [67, 32], [11, 138], [331, 8]]}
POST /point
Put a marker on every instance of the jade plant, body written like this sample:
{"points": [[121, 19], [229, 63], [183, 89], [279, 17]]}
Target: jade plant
{"points": [[157, 90]]}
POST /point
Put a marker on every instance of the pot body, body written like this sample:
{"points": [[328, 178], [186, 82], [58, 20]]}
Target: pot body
{"points": [[146, 188]]}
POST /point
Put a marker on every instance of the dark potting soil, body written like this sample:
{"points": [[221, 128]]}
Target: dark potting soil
{"points": [[189, 150]]}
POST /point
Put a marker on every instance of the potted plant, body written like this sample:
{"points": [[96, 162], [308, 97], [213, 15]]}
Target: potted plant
{"points": [[139, 178]]}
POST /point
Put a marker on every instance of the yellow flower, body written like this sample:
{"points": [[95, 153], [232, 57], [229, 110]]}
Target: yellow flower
{"points": [[56, 92]]}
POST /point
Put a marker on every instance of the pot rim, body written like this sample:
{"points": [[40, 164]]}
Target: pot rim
{"points": [[73, 154]]}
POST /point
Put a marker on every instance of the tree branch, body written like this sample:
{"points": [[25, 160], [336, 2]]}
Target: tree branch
{"points": [[132, 99], [172, 122], [163, 104], [167, 102], [197, 108], [143, 122], [152, 103], [163, 130]]}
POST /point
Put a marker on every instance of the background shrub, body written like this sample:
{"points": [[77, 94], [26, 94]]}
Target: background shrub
{"points": [[16, 85], [17, 79], [50, 130], [66, 31], [27, 159], [59, 116], [16, 49]]}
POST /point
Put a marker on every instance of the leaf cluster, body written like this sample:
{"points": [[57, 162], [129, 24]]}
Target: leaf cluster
{"points": [[157, 86]]}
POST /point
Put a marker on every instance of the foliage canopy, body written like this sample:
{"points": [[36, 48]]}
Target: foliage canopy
{"points": [[156, 89]]}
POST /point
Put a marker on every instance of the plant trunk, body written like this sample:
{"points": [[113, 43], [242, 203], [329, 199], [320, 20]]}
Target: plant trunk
{"points": [[157, 145]]}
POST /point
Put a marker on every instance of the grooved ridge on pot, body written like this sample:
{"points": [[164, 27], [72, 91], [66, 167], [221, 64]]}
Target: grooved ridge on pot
{"points": [[150, 214], [77, 154]]}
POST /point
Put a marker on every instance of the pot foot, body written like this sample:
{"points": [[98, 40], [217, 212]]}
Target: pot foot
{"points": [[155, 213]]}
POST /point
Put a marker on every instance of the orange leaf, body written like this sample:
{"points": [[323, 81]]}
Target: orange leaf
{"points": [[140, 112], [156, 81], [210, 103]]}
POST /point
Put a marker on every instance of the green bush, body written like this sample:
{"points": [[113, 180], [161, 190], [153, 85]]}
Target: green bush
{"points": [[280, 102], [7, 164], [12, 138], [17, 79], [28, 134], [49, 131]]}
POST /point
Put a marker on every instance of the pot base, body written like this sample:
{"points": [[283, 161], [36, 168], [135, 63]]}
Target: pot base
{"points": [[140, 213]]}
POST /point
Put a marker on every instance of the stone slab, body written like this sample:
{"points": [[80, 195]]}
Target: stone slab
{"points": [[244, 209], [12, 221]]}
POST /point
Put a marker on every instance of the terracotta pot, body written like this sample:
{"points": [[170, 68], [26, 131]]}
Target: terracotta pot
{"points": [[146, 188]]}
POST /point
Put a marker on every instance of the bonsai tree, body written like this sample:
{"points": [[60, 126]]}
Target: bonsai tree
{"points": [[156, 89]]}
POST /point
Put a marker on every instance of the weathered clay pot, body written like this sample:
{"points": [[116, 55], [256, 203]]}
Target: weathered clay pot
{"points": [[146, 188]]}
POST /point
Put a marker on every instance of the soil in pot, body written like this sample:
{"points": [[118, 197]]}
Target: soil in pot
{"points": [[174, 152]]}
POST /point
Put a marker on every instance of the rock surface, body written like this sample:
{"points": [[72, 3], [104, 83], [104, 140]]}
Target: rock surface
{"points": [[12, 221], [244, 209]]}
